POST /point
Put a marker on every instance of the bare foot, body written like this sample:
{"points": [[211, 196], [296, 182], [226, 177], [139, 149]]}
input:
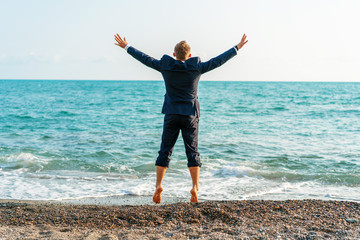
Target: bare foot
{"points": [[194, 195], [157, 195]]}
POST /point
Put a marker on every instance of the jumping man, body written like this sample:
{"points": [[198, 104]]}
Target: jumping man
{"points": [[181, 106]]}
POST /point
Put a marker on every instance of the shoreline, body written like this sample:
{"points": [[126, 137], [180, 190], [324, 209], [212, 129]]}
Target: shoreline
{"points": [[121, 200], [308, 219]]}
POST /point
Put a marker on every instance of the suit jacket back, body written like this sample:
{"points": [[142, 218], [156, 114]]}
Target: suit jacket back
{"points": [[181, 79]]}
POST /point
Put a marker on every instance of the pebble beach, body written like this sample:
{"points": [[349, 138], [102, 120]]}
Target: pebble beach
{"points": [[248, 219]]}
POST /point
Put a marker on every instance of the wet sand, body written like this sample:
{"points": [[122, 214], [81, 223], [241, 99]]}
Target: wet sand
{"points": [[250, 219]]}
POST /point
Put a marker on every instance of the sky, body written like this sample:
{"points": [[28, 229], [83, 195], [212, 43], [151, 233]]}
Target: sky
{"points": [[289, 40]]}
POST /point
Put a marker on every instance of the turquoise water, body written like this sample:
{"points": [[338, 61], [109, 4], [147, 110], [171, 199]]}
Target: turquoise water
{"points": [[258, 140]]}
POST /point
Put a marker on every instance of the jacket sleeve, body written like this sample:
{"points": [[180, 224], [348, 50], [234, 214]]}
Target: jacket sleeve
{"points": [[145, 59], [217, 61]]}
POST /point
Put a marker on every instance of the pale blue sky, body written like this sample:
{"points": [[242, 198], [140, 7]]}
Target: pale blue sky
{"points": [[289, 40]]}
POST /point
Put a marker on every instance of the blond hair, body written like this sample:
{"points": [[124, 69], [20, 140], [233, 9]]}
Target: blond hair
{"points": [[182, 50]]}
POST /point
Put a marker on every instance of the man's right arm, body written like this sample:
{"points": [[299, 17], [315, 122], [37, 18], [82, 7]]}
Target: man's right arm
{"points": [[140, 56]]}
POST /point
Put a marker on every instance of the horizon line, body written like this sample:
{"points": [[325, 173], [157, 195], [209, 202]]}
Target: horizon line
{"points": [[160, 80]]}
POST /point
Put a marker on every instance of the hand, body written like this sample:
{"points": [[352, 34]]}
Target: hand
{"points": [[120, 42], [242, 43]]}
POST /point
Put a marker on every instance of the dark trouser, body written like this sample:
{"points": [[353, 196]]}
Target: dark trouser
{"points": [[188, 125]]}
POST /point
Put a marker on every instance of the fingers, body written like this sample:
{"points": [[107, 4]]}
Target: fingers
{"points": [[242, 42], [119, 41], [118, 38], [243, 38]]}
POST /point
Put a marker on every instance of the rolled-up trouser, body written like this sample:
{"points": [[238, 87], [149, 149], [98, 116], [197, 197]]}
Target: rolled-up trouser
{"points": [[188, 125]]}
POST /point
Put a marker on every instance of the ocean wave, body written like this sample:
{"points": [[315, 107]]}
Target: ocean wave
{"points": [[272, 190], [145, 168], [279, 108], [81, 176], [33, 161], [88, 165], [285, 161], [281, 174], [65, 113], [349, 180], [232, 171], [24, 161], [21, 117], [46, 137]]}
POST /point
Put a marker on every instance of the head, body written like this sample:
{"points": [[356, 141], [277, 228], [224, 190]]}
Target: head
{"points": [[182, 51]]}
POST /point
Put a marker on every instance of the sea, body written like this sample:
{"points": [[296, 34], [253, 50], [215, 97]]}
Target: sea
{"points": [[63, 140]]}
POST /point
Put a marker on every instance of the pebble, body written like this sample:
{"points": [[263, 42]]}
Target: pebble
{"points": [[351, 220]]}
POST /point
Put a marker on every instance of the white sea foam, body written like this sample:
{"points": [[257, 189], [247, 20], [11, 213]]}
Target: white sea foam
{"points": [[36, 186], [233, 171], [275, 189], [219, 180], [177, 185]]}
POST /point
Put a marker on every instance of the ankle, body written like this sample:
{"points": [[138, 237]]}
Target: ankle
{"points": [[196, 189]]}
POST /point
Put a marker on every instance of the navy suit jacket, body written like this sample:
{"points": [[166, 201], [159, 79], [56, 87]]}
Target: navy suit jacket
{"points": [[181, 79]]}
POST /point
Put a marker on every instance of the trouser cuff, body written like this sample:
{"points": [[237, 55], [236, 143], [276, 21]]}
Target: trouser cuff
{"points": [[194, 164]]}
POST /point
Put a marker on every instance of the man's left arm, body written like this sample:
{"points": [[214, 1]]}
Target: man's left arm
{"points": [[222, 58], [217, 61]]}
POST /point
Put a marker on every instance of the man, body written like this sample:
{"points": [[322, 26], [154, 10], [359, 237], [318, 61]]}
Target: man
{"points": [[181, 107]]}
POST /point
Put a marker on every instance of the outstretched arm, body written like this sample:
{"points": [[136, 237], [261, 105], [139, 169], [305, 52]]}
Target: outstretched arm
{"points": [[140, 56], [222, 58]]}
